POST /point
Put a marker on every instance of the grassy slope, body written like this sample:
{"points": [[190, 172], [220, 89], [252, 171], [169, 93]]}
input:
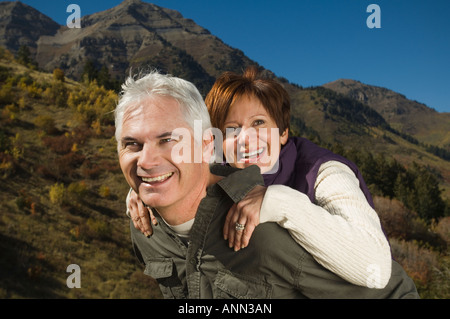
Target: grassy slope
{"points": [[38, 244]]}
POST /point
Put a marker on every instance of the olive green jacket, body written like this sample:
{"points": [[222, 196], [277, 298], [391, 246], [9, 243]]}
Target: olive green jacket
{"points": [[272, 266]]}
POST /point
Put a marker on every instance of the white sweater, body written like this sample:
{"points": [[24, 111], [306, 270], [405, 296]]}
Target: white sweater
{"points": [[341, 231]]}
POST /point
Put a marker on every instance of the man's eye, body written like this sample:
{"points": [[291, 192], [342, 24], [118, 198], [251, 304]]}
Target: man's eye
{"points": [[132, 145], [175, 138]]}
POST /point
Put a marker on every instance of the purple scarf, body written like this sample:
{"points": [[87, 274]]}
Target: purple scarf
{"points": [[299, 164]]}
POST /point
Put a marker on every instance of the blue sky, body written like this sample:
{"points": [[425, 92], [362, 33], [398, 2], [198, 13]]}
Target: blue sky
{"points": [[312, 42]]}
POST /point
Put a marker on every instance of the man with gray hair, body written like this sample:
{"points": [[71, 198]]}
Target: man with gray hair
{"points": [[186, 253]]}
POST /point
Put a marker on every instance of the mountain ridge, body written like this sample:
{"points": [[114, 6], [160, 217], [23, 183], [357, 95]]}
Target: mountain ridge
{"points": [[21, 24], [407, 116]]}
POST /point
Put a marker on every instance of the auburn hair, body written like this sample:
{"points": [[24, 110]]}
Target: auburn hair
{"points": [[231, 87]]}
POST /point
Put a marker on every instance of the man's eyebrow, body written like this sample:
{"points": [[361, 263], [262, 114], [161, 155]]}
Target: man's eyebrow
{"points": [[164, 135], [127, 138]]}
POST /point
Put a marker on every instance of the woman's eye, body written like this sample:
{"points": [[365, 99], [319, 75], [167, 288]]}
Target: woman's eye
{"points": [[233, 130], [258, 122]]}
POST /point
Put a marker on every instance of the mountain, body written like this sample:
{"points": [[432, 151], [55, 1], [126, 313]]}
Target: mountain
{"points": [[133, 35], [409, 117], [21, 24]]}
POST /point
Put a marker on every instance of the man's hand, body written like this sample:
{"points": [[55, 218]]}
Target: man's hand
{"points": [[245, 213], [140, 214]]}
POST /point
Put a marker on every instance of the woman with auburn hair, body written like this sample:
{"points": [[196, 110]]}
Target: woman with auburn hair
{"points": [[318, 196]]}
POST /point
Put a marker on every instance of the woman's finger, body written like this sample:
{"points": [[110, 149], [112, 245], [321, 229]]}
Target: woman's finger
{"points": [[228, 222], [240, 228], [152, 217], [144, 219], [247, 234], [232, 226]]}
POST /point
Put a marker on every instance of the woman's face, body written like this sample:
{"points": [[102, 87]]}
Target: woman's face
{"points": [[251, 136]]}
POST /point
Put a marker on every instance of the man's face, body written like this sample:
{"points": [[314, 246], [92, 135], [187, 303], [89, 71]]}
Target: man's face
{"points": [[145, 153]]}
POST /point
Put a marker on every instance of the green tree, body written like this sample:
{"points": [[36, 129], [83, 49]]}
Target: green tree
{"points": [[419, 190], [90, 71], [58, 75], [24, 57]]}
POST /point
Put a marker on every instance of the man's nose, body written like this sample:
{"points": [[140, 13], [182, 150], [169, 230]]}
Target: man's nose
{"points": [[148, 157]]}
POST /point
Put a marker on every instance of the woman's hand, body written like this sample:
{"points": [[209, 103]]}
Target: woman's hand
{"points": [[140, 214], [245, 213]]}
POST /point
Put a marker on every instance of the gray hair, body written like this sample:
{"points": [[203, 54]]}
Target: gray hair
{"points": [[155, 84]]}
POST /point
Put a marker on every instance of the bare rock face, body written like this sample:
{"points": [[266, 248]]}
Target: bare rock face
{"points": [[20, 25]]}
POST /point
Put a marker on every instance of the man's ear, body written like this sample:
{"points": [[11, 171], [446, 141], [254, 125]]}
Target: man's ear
{"points": [[208, 147]]}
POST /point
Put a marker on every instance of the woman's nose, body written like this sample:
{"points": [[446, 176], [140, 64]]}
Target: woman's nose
{"points": [[247, 136]]}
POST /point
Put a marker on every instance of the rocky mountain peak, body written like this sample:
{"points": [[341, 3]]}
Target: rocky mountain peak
{"points": [[134, 34], [21, 24]]}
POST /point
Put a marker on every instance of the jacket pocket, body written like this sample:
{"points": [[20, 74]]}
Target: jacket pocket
{"points": [[231, 285], [163, 270]]}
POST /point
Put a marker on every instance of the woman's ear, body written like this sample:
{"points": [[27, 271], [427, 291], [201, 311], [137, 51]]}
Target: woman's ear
{"points": [[284, 137], [208, 147]]}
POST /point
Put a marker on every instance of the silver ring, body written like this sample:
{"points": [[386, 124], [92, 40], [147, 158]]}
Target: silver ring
{"points": [[240, 227]]}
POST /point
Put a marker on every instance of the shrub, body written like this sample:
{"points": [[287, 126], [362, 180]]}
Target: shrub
{"points": [[91, 229], [100, 229], [77, 190], [57, 94], [6, 94], [45, 172], [91, 169], [443, 229], [23, 201], [57, 194], [417, 262], [46, 123], [93, 103], [7, 165], [61, 144], [104, 191], [403, 224], [65, 167], [58, 75]]}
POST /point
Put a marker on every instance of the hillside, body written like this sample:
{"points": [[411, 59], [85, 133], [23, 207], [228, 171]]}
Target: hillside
{"points": [[409, 117], [62, 191], [330, 118]]}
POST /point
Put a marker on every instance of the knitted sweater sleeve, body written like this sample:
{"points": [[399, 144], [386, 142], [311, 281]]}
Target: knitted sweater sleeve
{"points": [[341, 231]]}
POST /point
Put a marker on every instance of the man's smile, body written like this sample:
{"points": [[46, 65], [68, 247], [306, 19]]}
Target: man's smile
{"points": [[157, 179]]}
